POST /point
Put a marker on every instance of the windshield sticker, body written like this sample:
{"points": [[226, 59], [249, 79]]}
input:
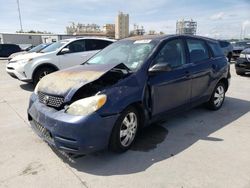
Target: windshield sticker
{"points": [[142, 41]]}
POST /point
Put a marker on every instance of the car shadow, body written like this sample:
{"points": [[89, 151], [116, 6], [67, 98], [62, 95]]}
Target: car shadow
{"points": [[27, 86], [160, 142]]}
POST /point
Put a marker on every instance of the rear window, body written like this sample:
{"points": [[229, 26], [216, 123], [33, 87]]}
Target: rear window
{"points": [[224, 44], [216, 49], [198, 50], [93, 44]]}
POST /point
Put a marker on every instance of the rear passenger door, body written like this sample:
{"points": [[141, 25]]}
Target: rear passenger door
{"points": [[200, 59]]}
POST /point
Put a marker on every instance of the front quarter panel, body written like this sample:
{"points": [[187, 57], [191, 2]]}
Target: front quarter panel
{"points": [[48, 58], [129, 91]]}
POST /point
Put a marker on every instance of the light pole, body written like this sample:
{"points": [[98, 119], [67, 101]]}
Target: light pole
{"points": [[19, 13]]}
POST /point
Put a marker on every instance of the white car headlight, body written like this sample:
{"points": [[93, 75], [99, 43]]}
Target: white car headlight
{"points": [[87, 105], [24, 61]]}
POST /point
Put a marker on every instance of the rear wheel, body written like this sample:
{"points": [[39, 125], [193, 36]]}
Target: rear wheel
{"points": [[240, 73], [125, 130], [41, 72], [217, 97]]}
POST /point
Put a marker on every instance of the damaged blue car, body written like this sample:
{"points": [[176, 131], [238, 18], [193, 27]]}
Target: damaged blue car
{"points": [[132, 83]]}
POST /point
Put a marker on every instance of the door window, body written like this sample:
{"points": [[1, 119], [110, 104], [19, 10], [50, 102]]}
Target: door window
{"points": [[77, 46], [198, 50], [93, 44], [172, 53]]}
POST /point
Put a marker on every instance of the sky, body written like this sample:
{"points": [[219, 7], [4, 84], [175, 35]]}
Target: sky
{"points": [[223, 19]]}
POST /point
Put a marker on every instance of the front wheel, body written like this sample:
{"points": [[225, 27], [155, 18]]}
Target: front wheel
{"points": [[125, 130], [217, 97], [40, 73]]}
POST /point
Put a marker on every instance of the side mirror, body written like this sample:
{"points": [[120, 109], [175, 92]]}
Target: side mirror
{"points": [[159, 67], [64, 51]]}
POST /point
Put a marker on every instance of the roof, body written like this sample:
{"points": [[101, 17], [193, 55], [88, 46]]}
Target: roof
{"points": [[79, 38], [163, 37]]}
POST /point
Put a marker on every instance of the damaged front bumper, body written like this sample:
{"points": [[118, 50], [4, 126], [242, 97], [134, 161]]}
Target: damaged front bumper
{"points": [[73, 134]]}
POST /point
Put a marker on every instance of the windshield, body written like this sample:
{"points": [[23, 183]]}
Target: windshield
{"points": [[131, 53], [53, 47], [38, 48]]}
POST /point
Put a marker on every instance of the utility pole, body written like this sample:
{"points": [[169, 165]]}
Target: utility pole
{"points": [[20, 19]]}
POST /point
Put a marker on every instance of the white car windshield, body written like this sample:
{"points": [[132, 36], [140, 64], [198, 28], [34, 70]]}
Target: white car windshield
{"points": [[131, 53], [53, 47]]}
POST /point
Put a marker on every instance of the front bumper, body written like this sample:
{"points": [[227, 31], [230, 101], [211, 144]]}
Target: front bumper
{"points": [[73, 134], [16, 70]]}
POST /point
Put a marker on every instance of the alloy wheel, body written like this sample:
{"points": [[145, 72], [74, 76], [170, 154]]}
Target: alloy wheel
{"points": [[128, 129], [219, 96]]}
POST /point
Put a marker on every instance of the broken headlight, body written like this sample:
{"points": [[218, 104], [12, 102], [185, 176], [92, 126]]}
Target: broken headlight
{"points": [[87, 105]]}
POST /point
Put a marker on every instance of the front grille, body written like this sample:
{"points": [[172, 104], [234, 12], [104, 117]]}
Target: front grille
{"points": [[43, 131], [49, 100]]}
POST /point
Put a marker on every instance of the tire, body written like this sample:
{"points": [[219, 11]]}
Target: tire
{"points": [[40, 73], [217, 98], [121, 143], [229, 57], [240, 73]]}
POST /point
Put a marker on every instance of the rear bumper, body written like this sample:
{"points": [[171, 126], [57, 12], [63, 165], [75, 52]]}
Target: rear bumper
{"points": [[74, 134]]}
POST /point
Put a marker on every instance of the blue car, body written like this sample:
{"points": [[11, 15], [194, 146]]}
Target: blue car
{"points": [[128, 85]]}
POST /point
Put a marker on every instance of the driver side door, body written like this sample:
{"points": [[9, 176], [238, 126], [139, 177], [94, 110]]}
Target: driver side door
{"points": [[170, 89], [75, 56]]}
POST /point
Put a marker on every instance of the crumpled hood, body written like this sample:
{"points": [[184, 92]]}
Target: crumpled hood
{"points": [[26, 56], [67, 82]]}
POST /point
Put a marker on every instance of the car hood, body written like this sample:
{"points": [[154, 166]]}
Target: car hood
{"points": [[26, 56], [66, 82], [16, 54], [246, 51]]}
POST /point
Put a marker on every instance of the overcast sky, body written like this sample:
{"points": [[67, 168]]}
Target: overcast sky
{"points": [[216, 18]]}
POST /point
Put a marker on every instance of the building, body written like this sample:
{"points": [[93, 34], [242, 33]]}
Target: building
{"points": [[109, 30], [138, 30], [34, 39], [187, 27], [122, 26], [78, 29], [20, 38]]}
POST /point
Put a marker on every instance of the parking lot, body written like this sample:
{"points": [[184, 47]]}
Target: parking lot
{"points": [[198, 148]]}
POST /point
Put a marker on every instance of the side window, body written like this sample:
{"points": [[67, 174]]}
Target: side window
{"points": [[77, 46], [172, 53], [198, 50], [217, 51], [92, 44]]}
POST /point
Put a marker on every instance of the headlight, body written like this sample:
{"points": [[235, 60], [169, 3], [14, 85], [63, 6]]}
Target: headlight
{"points": [[242, 55], [248, 57], [23, 61], [87, 105]]}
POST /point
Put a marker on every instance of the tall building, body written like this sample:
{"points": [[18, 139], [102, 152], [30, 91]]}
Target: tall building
{"points": [[187, 27], [122, 26]]}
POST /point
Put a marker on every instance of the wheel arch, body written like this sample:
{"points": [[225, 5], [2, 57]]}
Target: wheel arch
{"points": [[42, 66], [225, 82]]}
